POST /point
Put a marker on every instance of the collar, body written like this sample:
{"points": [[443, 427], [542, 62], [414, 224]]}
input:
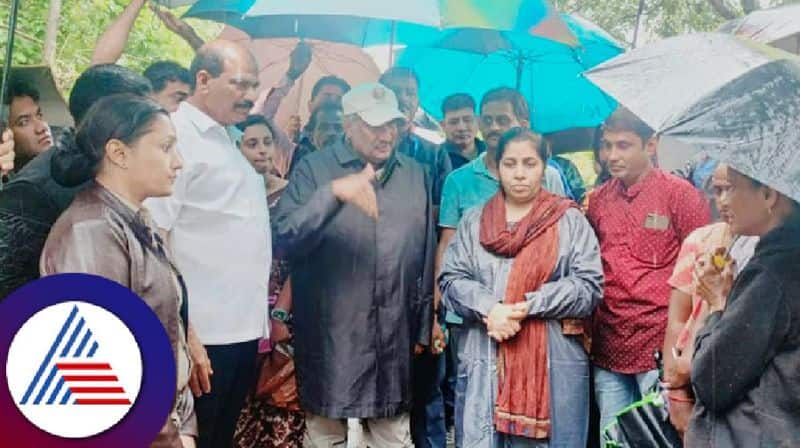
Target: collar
{"points": [[780, 239], [346, 155], [479, 167], [116, 202], [139, 219], [121, 200], [634, 190], [126, 202], [197, 117], [480, 147]]}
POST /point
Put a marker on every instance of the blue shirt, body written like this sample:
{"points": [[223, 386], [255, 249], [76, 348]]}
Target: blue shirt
{"points": [[472, 185]]}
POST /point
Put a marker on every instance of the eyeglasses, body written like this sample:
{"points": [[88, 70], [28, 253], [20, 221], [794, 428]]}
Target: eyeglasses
{"points": [[501, 120]]}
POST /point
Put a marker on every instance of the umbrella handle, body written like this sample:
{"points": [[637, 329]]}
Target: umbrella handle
{"points": [[12, 25]]}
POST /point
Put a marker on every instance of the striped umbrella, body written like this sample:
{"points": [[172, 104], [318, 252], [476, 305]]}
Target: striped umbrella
{"points": [[367, 22]]}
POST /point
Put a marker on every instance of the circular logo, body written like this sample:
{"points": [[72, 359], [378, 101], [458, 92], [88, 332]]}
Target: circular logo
{"points": [[74, 369], [87, 364]]}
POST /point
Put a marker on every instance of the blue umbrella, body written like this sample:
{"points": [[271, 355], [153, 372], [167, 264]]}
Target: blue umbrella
{"points": [[361, 31], [370, 22], [547, 73]]}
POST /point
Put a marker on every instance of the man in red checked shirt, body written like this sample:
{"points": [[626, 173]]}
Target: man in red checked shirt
{"points": [[641, 217]]}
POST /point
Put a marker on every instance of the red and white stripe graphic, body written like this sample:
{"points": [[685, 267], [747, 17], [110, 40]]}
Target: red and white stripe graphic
{"points": [[93, 383]]}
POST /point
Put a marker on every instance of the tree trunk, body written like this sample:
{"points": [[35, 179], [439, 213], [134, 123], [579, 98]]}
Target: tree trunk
{"points": [[749, 6], [639, 13], [722, 9], [51, 36]]}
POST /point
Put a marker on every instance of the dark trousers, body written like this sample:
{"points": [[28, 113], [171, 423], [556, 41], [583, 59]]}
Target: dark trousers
{"points": [[451, 373], [427, 416], [594, 416], [234, 374]]}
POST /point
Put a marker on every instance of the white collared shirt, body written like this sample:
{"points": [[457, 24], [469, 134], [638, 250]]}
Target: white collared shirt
{"points": [[219, 232]]}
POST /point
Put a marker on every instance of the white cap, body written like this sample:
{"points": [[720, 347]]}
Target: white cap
{"points": [[375, 103]]}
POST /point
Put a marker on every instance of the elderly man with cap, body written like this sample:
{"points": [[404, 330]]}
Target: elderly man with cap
{"points": [[356, 225]]}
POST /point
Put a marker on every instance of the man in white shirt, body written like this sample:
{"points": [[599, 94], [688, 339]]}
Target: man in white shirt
{"points": [[217, 225]]}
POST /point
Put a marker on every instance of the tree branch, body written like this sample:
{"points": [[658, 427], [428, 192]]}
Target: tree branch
{"points": [[722, 9], [18, 33], [179, 27]]}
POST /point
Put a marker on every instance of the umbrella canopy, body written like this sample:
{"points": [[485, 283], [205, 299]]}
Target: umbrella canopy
{"points": [[54, 108], [345, 61], [736, 100], [547, 73], [367, 22], [776, 26], [752, 124], [423, 12], [660, 81]]}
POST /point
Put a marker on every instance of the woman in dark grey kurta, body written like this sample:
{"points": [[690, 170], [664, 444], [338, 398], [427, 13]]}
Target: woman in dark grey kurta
{"points": [[473, 280], [746, 365], [362, 289]]}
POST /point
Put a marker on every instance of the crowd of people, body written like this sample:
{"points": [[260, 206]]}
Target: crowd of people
{"points": [[352, 271]]}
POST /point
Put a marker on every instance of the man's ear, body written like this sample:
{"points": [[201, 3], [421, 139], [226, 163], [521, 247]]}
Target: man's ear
{"points": [[201, 82], [651, 147], [525, 124], [772, 197]]}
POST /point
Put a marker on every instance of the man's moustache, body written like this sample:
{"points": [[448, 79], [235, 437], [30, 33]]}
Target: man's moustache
{"points": [[245, 105]]}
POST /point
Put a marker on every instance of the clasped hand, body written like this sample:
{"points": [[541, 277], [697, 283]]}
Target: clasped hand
{"points": [[713, 276], [504, 321]]}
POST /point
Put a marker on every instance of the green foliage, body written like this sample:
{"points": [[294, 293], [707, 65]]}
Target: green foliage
{"points": [[82, 23], [660, 18]]}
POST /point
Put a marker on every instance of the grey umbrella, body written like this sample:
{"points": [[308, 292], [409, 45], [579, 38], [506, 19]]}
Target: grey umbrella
{"points": [[730, 97], [753, 124], [779, 27]]}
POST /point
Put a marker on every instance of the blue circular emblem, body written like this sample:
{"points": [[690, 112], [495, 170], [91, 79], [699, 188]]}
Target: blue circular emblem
{"points": [[86, 364]]}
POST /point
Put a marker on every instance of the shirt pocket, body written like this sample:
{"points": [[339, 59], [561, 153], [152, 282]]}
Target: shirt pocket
{"points": [[654, 248]]}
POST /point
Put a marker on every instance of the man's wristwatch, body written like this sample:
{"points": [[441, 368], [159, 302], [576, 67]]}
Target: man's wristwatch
{"points": [[279, 314]]}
